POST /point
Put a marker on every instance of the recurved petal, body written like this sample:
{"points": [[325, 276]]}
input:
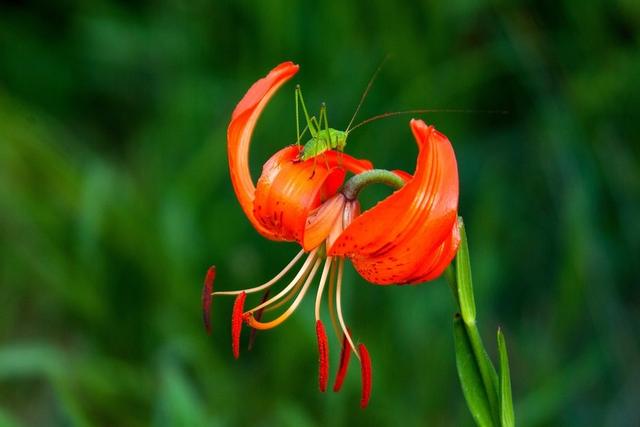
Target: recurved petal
{"points": [[240, 130], [407, 237], [322, 220], [288, 190], [338, 158]]}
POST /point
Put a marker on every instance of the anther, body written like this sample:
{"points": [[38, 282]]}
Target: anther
{"points": [[365, 364], [236, 323], [323, 356], [345, 356], [207, 290]]}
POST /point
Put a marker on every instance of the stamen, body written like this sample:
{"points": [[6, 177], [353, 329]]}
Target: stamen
{"points": [[365, 363], [236, 323], [300, 276], [270, 282], [252, 336], [339, 307], [332, 293], [345, 356], [292, 293], [323, 356], [284, 316], [323, 280], [207, 289]]}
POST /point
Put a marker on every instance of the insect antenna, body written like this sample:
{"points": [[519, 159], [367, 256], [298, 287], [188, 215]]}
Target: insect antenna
{"points": [[366, 91], [446, 110]]}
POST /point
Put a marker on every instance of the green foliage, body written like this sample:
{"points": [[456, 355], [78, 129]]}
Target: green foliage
{"points": [[115, 199], [507, 417], [470, 377]]}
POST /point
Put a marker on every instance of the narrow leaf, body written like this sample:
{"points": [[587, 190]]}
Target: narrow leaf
{"points": [[463, 276], [487, 371], [507, 418], [469, 374]]}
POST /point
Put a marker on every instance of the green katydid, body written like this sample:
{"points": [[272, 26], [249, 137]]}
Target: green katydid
{"points": [[324, 138]]}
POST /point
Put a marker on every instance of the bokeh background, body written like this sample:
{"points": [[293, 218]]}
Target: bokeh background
{"points": [[115, 198]]}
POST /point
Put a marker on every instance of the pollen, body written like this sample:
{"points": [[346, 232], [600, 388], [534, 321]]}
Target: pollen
{"points": [[365, 364], [236, 323], [345, 356], [207, 291], [323, 356]]}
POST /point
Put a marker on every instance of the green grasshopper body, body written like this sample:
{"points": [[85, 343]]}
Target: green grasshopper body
{"points": [[330, 139], [323, 138]]}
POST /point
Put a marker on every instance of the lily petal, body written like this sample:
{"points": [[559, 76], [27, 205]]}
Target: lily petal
{"points": [[288, 190], [411, 235], [243, 122]]}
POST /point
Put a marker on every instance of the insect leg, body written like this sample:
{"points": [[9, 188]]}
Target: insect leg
{"points": [[306, 114], [330, 145], [297, 116]]}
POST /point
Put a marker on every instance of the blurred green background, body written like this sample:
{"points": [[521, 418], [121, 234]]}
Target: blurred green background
{"points": [[115, 198]]}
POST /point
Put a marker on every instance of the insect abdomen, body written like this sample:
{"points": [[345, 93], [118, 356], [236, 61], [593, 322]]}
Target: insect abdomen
{"points": [[313, 148]]}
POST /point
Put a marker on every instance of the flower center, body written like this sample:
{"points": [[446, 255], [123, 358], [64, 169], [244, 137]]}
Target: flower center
{"points": [[322, 228]]}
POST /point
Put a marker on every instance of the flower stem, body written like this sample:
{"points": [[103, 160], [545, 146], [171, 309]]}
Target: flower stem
{"points": [[374, 176], [480, 384]]}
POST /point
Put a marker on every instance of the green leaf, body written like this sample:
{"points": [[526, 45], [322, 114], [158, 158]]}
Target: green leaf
{"points": [[463, 276], [507, 417], [469, 374], [468, 309], [487, 371]]}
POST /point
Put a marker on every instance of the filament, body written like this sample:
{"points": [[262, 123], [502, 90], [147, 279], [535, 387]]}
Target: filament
{"points": [[293, 292], [252, 336], [270, 282], [339, 308], [284, 316], [332, 292], [299, 276], [323, 280]]}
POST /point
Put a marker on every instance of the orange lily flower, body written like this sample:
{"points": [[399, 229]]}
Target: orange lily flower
{"points": [[409, 237]]}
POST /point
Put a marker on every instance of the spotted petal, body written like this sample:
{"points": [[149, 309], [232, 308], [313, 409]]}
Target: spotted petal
{"points": [[411, 236]]}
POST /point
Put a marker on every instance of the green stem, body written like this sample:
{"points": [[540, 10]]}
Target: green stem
{"points": [[461, 283], [374, 176], [450, 276], [487, 371]]}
